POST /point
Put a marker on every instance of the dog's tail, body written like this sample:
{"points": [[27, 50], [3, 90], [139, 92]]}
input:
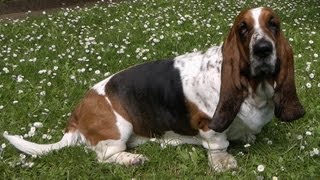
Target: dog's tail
{"points": [[68, 139]]}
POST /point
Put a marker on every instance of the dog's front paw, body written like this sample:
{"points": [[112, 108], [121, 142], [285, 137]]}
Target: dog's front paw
{"points": [[221, 161]]}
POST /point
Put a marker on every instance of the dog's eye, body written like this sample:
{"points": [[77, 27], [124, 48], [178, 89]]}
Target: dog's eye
{"points": [[243, 29], [273, 24]]}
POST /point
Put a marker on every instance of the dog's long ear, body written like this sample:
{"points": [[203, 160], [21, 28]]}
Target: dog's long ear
{"points": [[232, 90], [287, 104]]}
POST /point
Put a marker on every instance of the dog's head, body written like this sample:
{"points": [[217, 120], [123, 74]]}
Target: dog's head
{"points": [[256, 50]]}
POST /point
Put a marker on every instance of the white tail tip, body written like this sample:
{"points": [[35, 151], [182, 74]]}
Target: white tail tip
{"points": [[68, 139]]}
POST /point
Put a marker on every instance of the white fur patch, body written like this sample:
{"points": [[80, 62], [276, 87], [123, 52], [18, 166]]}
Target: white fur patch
{"points": [[214, 141], [124, 126], [68, 139], [200, 77], [256, 12], [101, 86], [105, 149]]}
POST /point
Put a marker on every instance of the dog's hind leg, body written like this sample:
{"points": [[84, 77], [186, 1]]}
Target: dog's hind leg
{"points": [[105, 131], [113, 151]]}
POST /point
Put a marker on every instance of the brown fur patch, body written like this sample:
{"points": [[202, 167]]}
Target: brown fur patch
{"points": [[266, 15], [287, 104], [94, 118], [198, 119], [243, 45]]}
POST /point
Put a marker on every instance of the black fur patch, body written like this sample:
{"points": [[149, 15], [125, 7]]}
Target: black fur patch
{"points": [[152, 95]]}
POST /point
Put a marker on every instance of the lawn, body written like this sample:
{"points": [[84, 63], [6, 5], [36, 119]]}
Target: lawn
{"points": [[48, 62]]}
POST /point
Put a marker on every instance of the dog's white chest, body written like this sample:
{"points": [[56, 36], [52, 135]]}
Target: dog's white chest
{"points": [[255, 112], [201, 78]]}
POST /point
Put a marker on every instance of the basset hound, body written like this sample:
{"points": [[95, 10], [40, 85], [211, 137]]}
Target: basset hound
{"points": [[228, 92]]}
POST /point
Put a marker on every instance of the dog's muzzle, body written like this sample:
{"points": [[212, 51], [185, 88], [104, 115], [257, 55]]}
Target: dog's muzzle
{"points": [[263, 58], [262, 49]]}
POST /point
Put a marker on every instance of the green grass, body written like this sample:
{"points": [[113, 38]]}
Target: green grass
{"points": [[26, 47]]}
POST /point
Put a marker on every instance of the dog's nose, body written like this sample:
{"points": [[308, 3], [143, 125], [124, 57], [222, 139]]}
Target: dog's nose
{"points": [[262, 48]]}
